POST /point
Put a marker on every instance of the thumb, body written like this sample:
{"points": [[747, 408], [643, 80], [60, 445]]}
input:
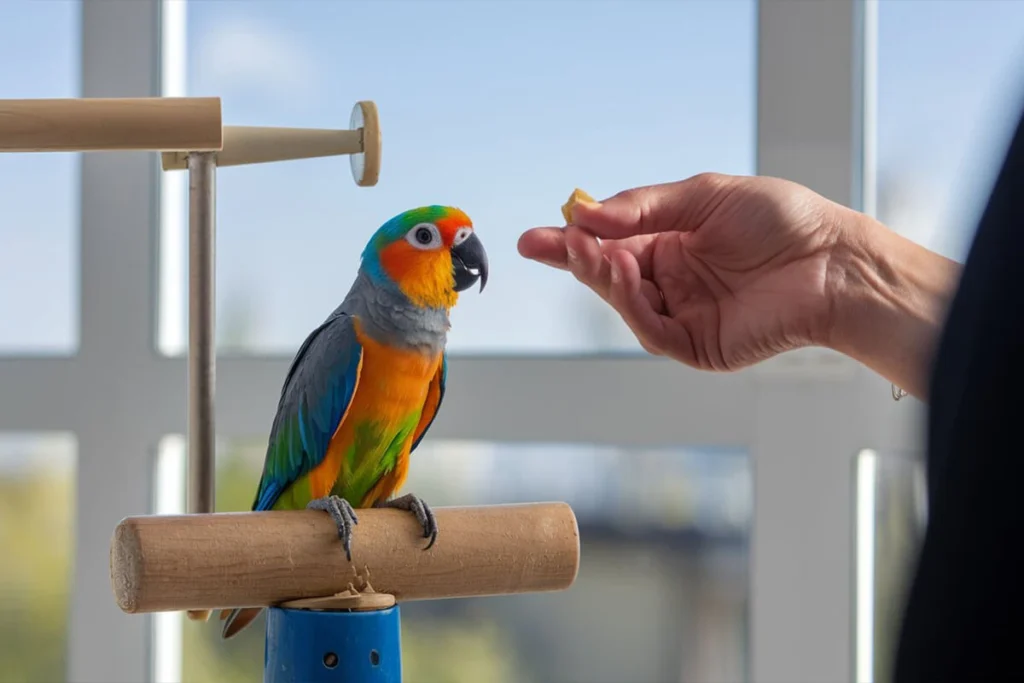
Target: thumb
{"points": [[680, 206], [614, 218]]}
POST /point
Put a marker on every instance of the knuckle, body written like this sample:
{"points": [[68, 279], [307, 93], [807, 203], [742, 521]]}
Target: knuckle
{"points": [[639, 201], [710, 180]]}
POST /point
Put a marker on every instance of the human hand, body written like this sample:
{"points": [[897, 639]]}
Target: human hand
{"points": [[718, 272]]}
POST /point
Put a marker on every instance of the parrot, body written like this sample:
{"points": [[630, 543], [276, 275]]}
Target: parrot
{"points": [[366, 385]]}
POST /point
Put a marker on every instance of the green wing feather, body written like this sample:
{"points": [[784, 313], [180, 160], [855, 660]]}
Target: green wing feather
{"points": [[316, 394]]}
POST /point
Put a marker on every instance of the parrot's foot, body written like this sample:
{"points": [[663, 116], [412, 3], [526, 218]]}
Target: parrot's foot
{"points": [[425, 516], [343, 515]]}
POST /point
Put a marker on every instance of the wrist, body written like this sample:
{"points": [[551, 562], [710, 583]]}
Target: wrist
{"points": [[888, 300]]}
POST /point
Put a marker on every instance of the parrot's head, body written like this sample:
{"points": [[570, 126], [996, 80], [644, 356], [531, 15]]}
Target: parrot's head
{"points": [[430, 254]]}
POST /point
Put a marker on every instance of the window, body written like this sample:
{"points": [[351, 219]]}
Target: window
{"points": [[39, 192], [685, 83], [950, 88], [490, 106]]}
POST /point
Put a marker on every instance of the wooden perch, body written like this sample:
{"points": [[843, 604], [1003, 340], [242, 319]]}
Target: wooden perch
{"points": [[244, 145], [251, 559], [111, 124]]}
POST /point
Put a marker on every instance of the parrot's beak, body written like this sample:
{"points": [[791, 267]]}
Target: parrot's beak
{"points": [[469, 262]]}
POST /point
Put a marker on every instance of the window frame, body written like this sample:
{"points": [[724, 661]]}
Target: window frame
{"points": [[803, 417]]}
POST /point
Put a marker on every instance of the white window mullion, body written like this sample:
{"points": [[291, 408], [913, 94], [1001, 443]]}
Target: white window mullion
{"points": [[36, 394], [815, 127], [799, 607], [616, 401], [115, 370]]}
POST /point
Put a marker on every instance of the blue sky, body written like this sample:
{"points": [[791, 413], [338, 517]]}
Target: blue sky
{"points": [[501, 108]]}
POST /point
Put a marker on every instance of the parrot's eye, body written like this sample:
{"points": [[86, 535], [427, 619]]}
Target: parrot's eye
{"points": [[461, 235], [424, 236]]}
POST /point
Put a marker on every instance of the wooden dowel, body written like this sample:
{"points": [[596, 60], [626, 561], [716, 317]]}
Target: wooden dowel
{"points": [[111, 124], [210, 561], [259, 145]]}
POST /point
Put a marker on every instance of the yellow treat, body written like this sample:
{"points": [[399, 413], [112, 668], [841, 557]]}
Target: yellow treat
{"points": [[575, 198]]}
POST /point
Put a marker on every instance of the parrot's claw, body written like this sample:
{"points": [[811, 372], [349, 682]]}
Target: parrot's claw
{"points": [[343, 515], [424, 515]]}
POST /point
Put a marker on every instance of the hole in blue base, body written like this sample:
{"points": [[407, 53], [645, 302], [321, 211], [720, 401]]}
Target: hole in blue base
{"points": [[330, 660], [374, 658]]}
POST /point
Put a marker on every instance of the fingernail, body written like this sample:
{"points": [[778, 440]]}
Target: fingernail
{"points": [[616, 273], [573, 256], [582, 202]]}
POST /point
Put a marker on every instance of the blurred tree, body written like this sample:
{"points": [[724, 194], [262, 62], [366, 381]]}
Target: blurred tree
{"points": [[36, 534]]}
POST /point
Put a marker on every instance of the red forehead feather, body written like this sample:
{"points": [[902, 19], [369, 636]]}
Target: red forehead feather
{"points": [[451, 222]]}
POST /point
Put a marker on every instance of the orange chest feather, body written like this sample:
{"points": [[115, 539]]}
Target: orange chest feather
{"points": [[392, 388], [392, 382]]}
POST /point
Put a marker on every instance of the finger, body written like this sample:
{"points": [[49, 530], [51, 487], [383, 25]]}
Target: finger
{"points": [[551, 246], [654, 297], [617, 217], [592, 266], [625, 304], [546, 245], [652, 293], [587, 260], [627, 296], [640, 246], [679, 206]]}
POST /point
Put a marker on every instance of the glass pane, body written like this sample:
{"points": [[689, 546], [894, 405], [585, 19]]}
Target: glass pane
{"points": [[39, 192], [500, 107], [950, 83], [37, 504], [891, 514], [662, 588]]}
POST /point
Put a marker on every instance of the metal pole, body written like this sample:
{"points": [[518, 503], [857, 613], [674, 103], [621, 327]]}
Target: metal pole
{"points": [[306, 646], [202, 175]]}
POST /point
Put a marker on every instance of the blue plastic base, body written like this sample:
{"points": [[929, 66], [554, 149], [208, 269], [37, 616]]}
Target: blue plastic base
{"points": [[333, 647]]}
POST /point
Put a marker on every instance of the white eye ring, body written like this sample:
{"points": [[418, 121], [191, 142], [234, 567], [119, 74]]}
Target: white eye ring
{"points": [[462, 235], [424, 236]]}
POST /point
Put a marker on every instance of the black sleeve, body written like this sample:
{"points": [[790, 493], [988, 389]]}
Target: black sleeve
{"points": [[964, 617]]}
